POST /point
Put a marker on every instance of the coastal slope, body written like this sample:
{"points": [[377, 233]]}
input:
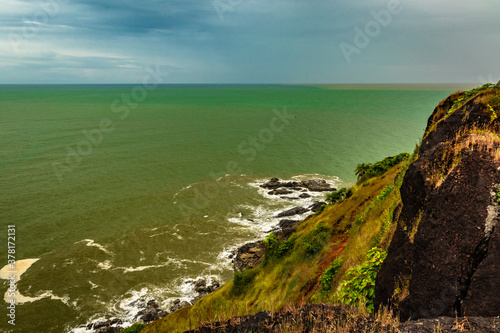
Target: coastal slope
{"points": [[427, 221]]}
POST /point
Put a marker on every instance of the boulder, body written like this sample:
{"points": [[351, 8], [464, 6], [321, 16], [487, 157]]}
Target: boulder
{"points": [[272, 183], [151, 312], [317, 185], [316, 206], [293, 211], [108, 326], [249, 255], [179, 305], [283, 224], [280, 191]]}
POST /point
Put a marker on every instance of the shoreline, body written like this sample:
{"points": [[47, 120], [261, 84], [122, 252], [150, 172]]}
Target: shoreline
{"points": [[145, 310]]}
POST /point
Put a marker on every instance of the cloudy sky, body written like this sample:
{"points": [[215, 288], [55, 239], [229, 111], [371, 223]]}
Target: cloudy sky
{"points": [[250, 41]]}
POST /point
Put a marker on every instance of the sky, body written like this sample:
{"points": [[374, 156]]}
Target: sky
{"points": [[250, 41]]}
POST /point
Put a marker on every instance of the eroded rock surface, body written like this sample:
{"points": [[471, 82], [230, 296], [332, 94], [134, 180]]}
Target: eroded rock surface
{"points": [[444, 258]]}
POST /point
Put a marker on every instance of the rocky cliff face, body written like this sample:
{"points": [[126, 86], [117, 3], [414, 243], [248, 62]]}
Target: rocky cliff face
{"points": [[444, 258]]}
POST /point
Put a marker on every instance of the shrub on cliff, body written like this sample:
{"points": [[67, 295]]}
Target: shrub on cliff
{"points": [[242, 281], [366, 171], [338, 196], [327, 278], [360, 284], [276, 248], [136, 328], [313, 242]]}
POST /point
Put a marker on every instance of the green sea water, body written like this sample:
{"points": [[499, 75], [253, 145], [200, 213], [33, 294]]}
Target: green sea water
{"points": [[122, 196]]}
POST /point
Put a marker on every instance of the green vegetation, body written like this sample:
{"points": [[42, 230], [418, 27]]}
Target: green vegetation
{"points": [[136, 328], [320, 210], [493, 113], [242, 281], [334, 256], [307, 266], [385, 192], [327, 278], [360, 286], [276, 249], [338, 196], [468, 94], [314, 241], [366, 171]]}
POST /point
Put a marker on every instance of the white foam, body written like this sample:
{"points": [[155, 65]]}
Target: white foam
{"points": [[105, 265], [183, 189], [91, 242], [93, 285], [140, 268]]}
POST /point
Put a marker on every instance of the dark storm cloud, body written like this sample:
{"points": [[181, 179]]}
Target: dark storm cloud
{"points": [[236, 41]]}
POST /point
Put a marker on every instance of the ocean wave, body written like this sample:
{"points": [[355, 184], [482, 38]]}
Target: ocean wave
{"points": [[92, 243], [127, 307]]}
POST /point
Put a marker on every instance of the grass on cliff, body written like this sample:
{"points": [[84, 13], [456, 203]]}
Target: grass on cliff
{"points": [[487, 94], [305, 267]]}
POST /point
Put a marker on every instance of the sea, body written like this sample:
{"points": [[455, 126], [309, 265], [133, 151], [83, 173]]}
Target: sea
{"points": [[112, 195]]}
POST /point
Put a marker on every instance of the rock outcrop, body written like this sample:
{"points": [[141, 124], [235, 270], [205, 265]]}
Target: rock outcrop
{"points": [[313, 185], [249, 255], [293, 211], [444, 258]]}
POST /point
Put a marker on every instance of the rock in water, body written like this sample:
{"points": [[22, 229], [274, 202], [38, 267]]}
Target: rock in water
{"points": [[279, 191], [151, 312], [317, 185], [272, 183], [179, 305], [293, 211], [284, 224], [444, 258]]}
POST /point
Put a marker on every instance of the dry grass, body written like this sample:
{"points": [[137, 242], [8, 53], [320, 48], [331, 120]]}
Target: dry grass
{"points": [[469, 139], [462, 325], [310, 318]]}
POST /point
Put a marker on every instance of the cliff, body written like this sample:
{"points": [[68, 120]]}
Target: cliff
{"points": [[444, 259], [427, 221]]}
